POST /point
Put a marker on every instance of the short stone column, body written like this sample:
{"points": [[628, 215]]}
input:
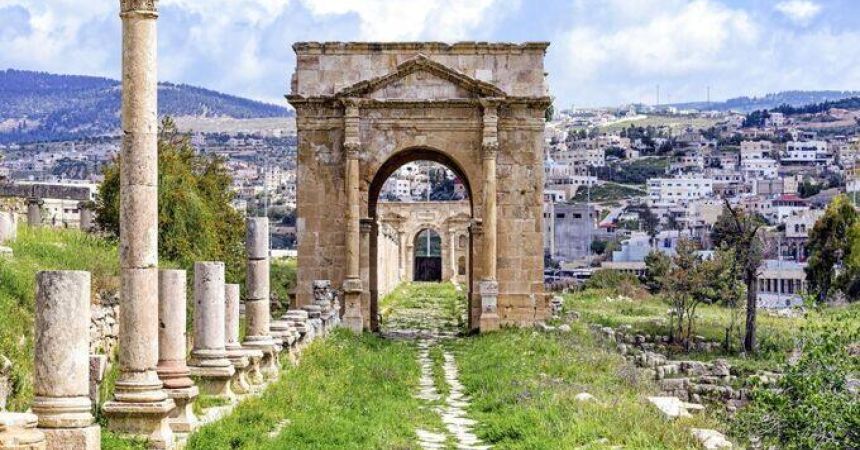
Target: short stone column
{"points": [[257, 307], [322, 299], [62, 363], [235, 353], [172, 343], [8, 226], [18, 432], [303, 333], [314, 319], [209, 356], [86, 213], [34, 212]]}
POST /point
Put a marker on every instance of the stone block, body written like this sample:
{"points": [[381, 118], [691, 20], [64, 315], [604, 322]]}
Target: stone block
{"points": [[87, 438]]}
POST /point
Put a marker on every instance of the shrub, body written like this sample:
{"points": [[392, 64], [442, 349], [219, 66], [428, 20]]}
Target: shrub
{"points": [[616, 281], [812, 407]]}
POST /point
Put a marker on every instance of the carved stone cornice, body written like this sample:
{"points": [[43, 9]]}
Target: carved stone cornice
{"points": [[138, 7]]}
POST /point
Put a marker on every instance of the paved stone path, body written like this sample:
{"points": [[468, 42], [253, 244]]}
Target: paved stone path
{"points": [[452, 410]]}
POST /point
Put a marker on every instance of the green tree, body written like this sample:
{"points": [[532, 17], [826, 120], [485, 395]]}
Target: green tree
{"points": [[738, 231], [657, 265], [195, 218], [684, 284], [829, 246]]}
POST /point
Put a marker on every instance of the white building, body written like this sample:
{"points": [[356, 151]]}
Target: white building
{"points": [[759, 168], [676, 191], [756, 149], [806, 152]]}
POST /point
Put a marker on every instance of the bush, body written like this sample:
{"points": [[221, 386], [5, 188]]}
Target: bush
{"points": [[812, 407], [618, 282], [196, 221]]}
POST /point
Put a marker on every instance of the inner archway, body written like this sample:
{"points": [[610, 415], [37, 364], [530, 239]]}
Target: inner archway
{"points": [[419, 227], [428, 256]]}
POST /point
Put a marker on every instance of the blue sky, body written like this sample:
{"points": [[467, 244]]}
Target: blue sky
{"points": [[603, 52]]}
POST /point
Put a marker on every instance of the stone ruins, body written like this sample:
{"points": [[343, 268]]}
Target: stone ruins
{"points": [[365, 109]]}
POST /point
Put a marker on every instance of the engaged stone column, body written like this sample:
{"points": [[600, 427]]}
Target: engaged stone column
{"points": [[172, 338], [235, 353], [62, 362], [352, 288], [209, 357], [489, 284], [257, 294], [140, 406], [34, 212]]}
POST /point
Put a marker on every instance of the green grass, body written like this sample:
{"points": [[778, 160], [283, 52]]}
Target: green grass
{"points": [[776, 335], [38, 249], [608, 192], [523, 383], [424, 306], [348, 393]]}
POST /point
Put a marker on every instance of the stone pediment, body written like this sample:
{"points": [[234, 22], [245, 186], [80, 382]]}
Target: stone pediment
{"points": [[421, 78]]}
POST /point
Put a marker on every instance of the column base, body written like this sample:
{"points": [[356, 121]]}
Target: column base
{"points": [[489, 291], [352, 317], [182, 418], [86, 438], [147, 421], [269, 365], [215, 381]]}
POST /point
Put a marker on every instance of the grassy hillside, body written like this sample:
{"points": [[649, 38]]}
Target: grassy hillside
{"points": [[35, 250], [37, 106]]}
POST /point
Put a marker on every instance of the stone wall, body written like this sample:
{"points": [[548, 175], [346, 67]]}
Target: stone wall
{"points": [[104, 324]]}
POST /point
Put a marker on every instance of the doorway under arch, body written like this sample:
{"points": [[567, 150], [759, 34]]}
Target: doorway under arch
{"points": [[381, 175], [427, 261]]}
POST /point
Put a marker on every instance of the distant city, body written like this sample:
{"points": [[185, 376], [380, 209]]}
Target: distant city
{"points": [[619, 182]]}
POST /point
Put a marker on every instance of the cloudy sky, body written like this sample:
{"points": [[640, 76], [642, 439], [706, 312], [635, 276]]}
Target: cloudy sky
{"points": [[603, 52]]}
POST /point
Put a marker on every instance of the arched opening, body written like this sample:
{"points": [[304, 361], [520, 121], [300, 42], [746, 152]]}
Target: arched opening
{"points": [[428, 256], [431, 251]]}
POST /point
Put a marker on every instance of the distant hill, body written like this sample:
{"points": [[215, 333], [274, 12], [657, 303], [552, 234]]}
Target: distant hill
{"points": [[37, 106], [770, 101]]}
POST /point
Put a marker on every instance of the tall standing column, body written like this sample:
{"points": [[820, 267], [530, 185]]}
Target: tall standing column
{"points": [[172, 343], [62, 369], [352, 288], [257, 294], [209, 356], [489, 286], [140, 406]]}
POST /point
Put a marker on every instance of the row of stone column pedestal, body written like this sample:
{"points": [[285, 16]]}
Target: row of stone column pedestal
{"points": [[85, 211], [223, 367]]}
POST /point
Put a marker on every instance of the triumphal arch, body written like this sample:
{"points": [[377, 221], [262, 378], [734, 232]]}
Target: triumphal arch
{"points": [[365, 109]]}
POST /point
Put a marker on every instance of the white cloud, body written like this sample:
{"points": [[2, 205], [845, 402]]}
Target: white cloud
{"points": [[799, 11], [388, 20]]}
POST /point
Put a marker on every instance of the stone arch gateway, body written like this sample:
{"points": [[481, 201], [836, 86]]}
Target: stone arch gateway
{"points": [[477, 106]]}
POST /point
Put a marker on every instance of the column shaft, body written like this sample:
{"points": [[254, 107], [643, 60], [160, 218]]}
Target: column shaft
{"points": [[489, 218]]}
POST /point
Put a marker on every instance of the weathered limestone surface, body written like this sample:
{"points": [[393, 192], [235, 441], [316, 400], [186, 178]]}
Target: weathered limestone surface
{"points": [[364, 109], [172, 339], [257, 307], [235, 353], [8, 226], [209, 356], [18, 432], [140, 405], [62, 364], [34, 212]]}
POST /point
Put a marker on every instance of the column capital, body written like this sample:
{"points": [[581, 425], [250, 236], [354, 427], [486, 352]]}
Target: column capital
{"points": [[35, 201], [138, 7], [489, 149], [352, 149]]}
